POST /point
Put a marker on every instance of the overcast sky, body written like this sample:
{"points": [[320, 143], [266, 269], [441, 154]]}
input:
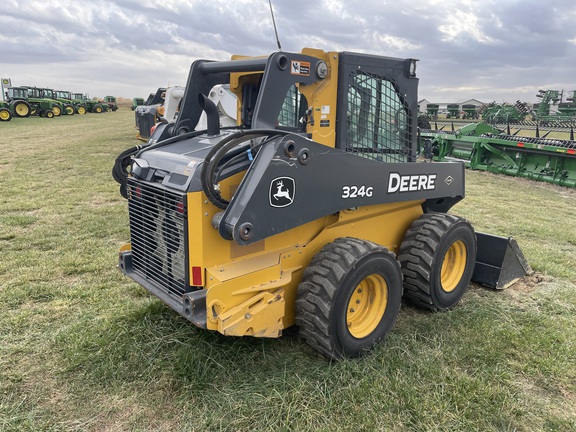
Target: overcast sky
{"points": [[501, 50]]}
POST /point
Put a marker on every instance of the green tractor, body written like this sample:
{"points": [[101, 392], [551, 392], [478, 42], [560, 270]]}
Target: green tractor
{"points": [[66, 98], [111, 102], [5, 112], [79, 106], [136, 102], [27, 101], [66, 108], [92, 105]]}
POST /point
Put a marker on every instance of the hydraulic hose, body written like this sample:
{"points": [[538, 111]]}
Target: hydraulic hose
{"points": [[212, 160]]}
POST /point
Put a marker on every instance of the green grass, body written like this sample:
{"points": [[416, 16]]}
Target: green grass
{"points": [[83, 348]]}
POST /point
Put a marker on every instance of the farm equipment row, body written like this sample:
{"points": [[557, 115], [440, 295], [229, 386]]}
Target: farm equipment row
{"points": [[520, 113], [28, 101], [483, 147]]}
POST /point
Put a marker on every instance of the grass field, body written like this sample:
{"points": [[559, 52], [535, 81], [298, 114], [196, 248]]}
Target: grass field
{"points": [[83, 348]]}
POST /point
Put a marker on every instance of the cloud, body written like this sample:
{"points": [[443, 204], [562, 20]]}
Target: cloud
{"points": [[489, 50]]}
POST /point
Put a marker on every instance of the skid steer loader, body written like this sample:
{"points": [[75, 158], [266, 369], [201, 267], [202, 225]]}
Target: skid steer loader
{"points": [[310, 211]]}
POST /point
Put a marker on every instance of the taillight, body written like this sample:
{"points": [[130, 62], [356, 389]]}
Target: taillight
{"points": [[197, 276]]}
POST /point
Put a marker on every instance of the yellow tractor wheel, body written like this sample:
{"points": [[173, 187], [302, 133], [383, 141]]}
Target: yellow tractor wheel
{"points": [[21, 108], [98, 109], [349, 297], [5, 114], [437, 255], [81, 110], [69, 109], [56, 110]]}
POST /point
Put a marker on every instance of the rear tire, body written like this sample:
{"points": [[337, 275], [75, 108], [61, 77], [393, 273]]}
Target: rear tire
{"points": [[349, 297], [437, 256], [21, 108]]}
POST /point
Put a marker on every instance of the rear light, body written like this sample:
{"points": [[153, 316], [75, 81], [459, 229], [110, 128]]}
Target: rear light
{"points": [[180, 207], [152, 129], [197, 276]]}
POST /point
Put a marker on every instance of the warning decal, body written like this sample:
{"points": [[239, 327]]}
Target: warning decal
{"points": [[300, 68]]}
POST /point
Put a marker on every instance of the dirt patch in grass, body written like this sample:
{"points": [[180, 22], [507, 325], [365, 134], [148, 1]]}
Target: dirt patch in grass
{"points": [[529, 283]]}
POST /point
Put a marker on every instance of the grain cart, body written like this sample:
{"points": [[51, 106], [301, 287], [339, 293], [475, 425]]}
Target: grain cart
{"points": [[311, 211], [453, 111]]}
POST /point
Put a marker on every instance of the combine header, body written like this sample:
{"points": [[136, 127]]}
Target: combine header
{"points": [[484, 147], [566, 111]]}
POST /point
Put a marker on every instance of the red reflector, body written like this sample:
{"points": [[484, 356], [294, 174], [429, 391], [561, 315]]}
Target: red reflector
{"points": [[138, 192], [180, 207], [152, 129], [520, 144], [571, 151], [197, 276]]}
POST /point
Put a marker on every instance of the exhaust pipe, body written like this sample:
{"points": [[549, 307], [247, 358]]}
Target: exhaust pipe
{"points": [[212, 114]]}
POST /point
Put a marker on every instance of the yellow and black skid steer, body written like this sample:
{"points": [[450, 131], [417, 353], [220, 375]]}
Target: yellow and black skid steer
{"points": [[310, 211]]}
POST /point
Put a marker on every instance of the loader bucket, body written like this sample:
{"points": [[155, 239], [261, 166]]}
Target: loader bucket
{"points": [[499, 261]]}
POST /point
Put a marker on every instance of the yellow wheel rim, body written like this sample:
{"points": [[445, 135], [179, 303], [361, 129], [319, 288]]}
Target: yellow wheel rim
{"points": [[367, 306], [81, 110], [22, 109], [56, 110], [4, 115], [453, 266], [69, 110]]}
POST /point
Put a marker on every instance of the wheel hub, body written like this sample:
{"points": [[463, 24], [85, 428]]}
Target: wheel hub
{"points": [[367, 305], [453, 266]]}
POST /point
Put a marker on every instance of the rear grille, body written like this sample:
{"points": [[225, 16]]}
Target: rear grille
{"points": [[157, 226]]}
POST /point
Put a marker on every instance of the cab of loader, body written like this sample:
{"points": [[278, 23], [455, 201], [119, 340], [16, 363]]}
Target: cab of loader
{"points": [[311, 210]]}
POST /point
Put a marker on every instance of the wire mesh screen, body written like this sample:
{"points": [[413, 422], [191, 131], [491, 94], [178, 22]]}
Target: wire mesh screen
{"points": [[378, 123], [157, 219], [290, 107]]}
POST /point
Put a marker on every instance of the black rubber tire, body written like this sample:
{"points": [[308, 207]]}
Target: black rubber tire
{"points": [[57, 111], [422, 254], [5, 115], [97, 109], [21, 108], [49, 114], [69, 109], [327, 286]]}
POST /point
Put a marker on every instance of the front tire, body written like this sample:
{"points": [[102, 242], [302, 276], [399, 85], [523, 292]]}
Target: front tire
{"points": [[69, 109], [56, 110], [437, 256], [349, 297], [5, 115]]}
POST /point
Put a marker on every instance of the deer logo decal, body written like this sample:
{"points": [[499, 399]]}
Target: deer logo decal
{"points": [[282, 190]]}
